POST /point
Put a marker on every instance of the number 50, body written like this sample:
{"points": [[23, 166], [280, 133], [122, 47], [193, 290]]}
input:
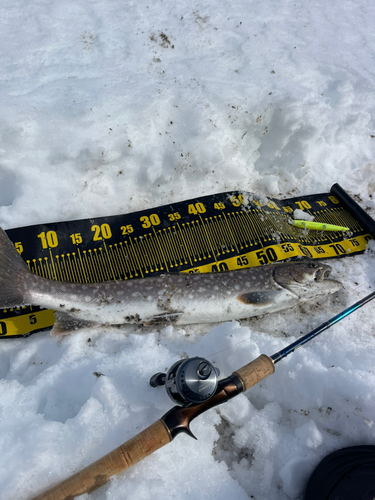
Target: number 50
{"points": [[265, 256]]}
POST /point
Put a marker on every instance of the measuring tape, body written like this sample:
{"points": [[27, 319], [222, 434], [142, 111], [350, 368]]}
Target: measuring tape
{"points": [[209, 234]]}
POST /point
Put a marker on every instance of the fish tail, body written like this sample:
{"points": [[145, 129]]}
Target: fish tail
{"points": [[15, 277]]}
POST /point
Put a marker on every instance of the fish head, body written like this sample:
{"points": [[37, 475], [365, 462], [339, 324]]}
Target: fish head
{"points": [[306, 279]]}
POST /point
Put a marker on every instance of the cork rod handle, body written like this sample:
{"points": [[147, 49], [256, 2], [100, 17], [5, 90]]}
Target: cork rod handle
{"points": [[125, 456], [254, 372]]}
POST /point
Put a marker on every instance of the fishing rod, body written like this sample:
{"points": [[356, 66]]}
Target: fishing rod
{"points": [[324, 326], [193, 384]]}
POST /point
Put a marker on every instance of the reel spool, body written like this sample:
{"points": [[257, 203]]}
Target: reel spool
{"points": [[192, 380]]}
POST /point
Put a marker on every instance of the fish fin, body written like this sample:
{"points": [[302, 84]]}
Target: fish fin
{"points": [[66, 324], [15, 276], [162, 319], [260, 298]]}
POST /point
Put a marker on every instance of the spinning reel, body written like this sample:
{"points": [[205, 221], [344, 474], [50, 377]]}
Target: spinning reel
{"points": [[192, 380]]}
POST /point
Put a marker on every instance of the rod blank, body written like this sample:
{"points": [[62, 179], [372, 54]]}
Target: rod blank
{"points": [[278, 356]]}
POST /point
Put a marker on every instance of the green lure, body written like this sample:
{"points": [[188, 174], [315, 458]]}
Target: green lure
{"points": [[317, 226]]}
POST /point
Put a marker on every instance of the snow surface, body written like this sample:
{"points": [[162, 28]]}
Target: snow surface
{"points": [[110, 107]]}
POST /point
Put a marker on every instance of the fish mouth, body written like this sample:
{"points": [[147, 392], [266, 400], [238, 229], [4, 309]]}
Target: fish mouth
{"points": [[322, 274], [304, 278]]}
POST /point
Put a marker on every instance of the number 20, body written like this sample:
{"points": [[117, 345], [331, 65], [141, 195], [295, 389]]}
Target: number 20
{"points": [[103, 231]]}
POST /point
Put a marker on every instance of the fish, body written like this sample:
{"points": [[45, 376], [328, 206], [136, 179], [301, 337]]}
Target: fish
{"points": [[177, 298]]}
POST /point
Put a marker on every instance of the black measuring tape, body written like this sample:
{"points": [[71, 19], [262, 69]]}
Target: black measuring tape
{"points": [[214, 233]]}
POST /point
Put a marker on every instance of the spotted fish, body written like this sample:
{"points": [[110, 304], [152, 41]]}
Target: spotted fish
{"points": [[171, 298]]}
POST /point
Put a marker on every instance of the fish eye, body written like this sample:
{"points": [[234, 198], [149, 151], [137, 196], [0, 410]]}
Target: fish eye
{"points": [[314, 265]]}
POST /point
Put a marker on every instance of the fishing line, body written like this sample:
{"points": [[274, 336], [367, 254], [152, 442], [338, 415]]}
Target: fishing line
{"points": [[230, 347]]}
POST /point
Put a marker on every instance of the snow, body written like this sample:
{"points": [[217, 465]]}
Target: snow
{"points": [[300, 214], [111, 107]]}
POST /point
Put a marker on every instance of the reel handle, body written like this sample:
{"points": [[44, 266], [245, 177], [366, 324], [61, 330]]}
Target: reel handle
{"points": [[158, 379]]}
